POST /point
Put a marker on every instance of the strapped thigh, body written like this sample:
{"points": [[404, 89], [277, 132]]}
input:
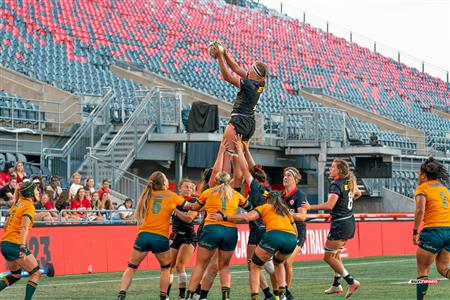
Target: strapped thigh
{"points": [[133, 266], [34, 270]]}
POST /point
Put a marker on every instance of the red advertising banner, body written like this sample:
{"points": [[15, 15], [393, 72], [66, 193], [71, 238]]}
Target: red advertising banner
{"points": [[106, 248]]}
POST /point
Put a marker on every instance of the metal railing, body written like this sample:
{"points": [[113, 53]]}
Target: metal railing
{"points": [[47, 116], [363, 41], [121, 180], [123, 148], [87, 216], [63, 161], [308, 125]]}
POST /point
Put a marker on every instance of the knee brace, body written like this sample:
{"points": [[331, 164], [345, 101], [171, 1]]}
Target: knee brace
{"points": [[269, 267], [257, 261], [132, 266], [332, 251], [166, 266], [36, 269], [16, 272], [182, 278], [277, 261]]}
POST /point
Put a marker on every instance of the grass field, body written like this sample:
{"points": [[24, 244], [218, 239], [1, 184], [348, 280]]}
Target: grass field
{"points": [[380, 277]]}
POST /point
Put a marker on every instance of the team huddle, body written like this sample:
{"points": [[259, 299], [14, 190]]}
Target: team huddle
{"points": [[276, 219]]}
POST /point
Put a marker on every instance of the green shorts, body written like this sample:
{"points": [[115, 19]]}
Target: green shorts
{"points": [[151, 242], [11, 251], [434, 239], [278, 241], [218, 236]]}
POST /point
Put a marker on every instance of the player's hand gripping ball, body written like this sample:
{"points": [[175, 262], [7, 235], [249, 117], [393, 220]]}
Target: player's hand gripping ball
{"points": [[214, 48]]}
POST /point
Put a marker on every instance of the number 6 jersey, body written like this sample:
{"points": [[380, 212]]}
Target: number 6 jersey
{"points": [[344, 205]]}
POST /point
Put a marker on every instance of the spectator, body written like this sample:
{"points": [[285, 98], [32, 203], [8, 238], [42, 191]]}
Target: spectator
{"points": [[104, 188], [63, 203], [40, 205], [80, 202], [125, 215], [7, 193], [5, 176], [54, 189], [75, 187], [49, 205], [19, 172], [96, 204], [41, 185], [106, 204], [89, 186]]}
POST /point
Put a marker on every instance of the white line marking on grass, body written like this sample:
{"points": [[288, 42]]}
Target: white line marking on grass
{"points": [[43, 285]]}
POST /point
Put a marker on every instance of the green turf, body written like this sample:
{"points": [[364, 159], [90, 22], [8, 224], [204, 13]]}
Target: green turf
{"points": [[380, 278]]}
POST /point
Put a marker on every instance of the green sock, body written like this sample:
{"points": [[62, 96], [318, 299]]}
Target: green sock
{"points": [[225, 293], [421, 289], [189, 294], [267, 293], [8, 281], [203, 294], [31, 288]]}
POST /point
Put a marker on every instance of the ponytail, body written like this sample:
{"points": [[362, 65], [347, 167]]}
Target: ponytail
{"points": [[344, 171], [223, 180], [155, 182], [276, 200]]}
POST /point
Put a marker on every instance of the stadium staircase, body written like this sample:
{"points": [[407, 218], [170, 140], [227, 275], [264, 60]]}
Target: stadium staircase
{"points": [[105, 150], [119, 145], [65, 160]]}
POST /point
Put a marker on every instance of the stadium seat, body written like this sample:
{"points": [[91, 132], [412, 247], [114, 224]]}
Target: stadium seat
{"points": [[73, 51]]}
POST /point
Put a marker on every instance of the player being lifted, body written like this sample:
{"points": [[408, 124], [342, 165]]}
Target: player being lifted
{"points": [[251, 84]]}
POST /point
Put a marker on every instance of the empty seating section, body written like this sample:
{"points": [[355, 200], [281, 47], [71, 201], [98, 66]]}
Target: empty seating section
{"points": [[16, 112], [404, 182], [71, 44]]}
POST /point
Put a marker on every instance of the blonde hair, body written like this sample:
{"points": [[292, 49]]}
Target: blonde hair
{"points": [[76, 174], [184, 180], [345, 172], [263, 69], [155, 183], [294, 172], [276, 200], [223, 179]]}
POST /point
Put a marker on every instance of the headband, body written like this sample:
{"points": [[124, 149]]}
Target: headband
{"points": [[257, 71]]}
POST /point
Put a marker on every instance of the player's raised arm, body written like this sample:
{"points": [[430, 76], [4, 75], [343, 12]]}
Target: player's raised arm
{"points": [[233, 64], [227, 75]]}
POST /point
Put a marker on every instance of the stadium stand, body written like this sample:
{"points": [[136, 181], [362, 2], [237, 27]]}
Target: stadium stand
{"points": [[72, 44]]}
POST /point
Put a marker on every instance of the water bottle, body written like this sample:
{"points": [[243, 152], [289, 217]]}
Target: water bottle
{"points": [[89, 269]]}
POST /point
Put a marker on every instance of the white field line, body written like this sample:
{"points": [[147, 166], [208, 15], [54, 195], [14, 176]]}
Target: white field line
{"points": [[233, 272]]}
